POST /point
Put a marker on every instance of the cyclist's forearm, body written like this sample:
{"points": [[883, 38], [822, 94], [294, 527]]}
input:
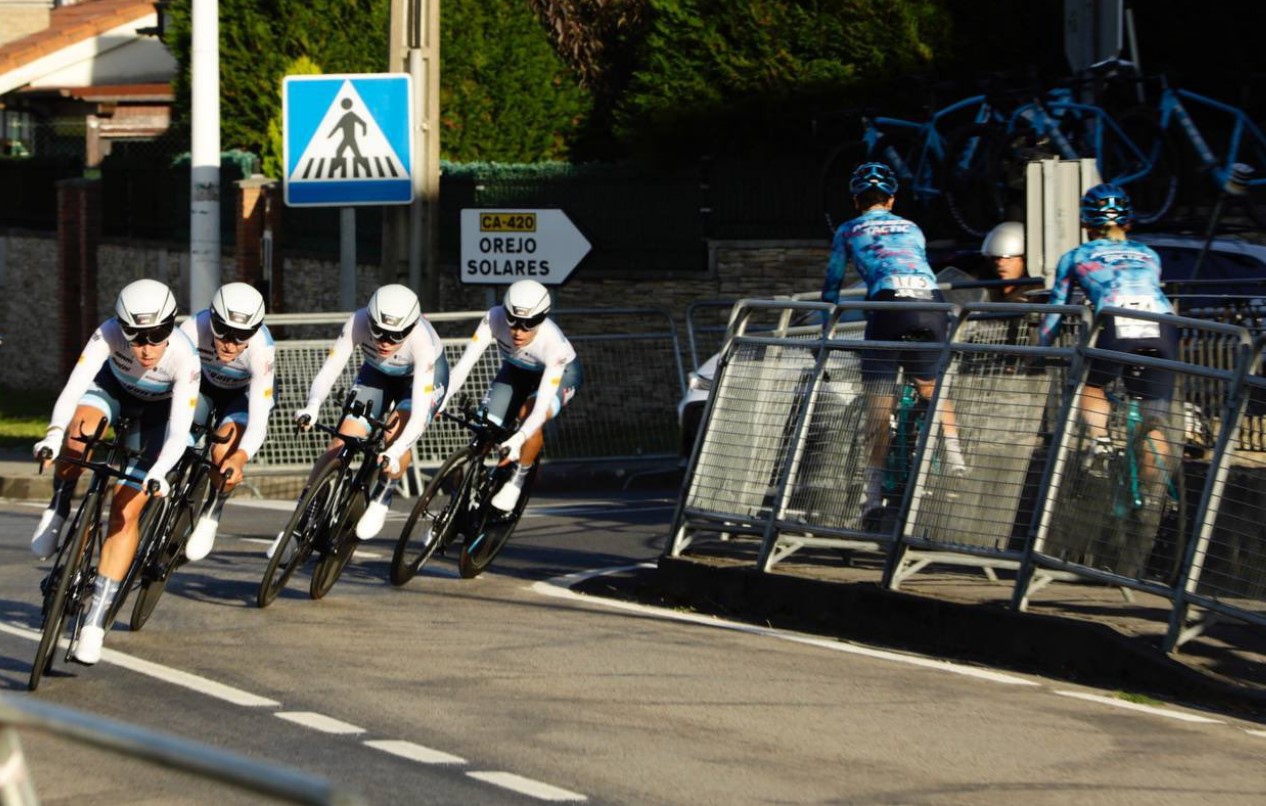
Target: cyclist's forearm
{"points": [[423, 390], [259, 403]]}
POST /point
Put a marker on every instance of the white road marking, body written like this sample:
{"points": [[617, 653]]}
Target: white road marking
{"points": [[165, 673], [414, 752], [1136, 706], [1261, 733], [559, 587], [526, 786], [325, 724]]}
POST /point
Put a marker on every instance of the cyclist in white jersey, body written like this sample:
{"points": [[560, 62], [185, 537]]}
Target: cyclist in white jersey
{"points": [[404, 364], [539, 375], [238, 354], [136, 365]]}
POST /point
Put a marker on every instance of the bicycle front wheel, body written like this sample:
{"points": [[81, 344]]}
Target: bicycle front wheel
{"points": [[66, 568], [305, 527], [162, 563], [342, 546], [432, 522], [494, 531], [154, 520]]}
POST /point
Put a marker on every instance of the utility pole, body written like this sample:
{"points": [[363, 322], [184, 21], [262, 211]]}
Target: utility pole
{"points": [[204, 170], [409, 232]]}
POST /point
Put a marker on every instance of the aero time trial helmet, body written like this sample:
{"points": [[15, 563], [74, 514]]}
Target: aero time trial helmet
{"points": [[1004, 240], [874, 175], [146, 311], [393, 311], [237, 311], [1104, 205], [527, 304]]}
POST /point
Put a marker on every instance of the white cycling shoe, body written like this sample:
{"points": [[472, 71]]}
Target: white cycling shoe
{"points": [[44, 541], [88, 650], [508, 495], [371, 521], [203, 538]]}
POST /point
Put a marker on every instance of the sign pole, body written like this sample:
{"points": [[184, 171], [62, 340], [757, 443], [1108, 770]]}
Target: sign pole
{"points": [[204, 170], [347, 258]]}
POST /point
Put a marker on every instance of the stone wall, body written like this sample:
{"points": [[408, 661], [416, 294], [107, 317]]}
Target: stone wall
{"points": [[29, 281]]}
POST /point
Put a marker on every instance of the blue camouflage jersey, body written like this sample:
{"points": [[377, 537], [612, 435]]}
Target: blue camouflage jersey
{"points": [[889, 252], [1121, 274]]}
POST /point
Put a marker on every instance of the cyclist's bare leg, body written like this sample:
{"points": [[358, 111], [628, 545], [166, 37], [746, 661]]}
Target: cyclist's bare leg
{"points": [[123, 533], [227, 456], [85, 420], [878, 411], [949, 425], [397, 423], [1094, 407]]}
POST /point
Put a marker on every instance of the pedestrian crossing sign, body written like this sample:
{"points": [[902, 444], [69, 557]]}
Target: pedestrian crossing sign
{"points": [[348, 139]]}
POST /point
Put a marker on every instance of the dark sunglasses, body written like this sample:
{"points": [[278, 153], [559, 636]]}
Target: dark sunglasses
{"points": [[389, 336], [148, 335], [221, 330], [528, 323]]}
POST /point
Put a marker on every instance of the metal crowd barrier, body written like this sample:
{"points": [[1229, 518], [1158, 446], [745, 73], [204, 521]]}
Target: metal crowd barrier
{"points": [[633, 376], [779, 464]]}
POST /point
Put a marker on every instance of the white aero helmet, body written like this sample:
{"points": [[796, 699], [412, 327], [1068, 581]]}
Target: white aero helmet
{"points": [[237, 311], [393, 311], [527, 304], [146, 307], [1004, 240]]}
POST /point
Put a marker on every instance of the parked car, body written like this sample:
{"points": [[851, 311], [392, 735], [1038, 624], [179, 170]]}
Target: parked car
{"points": [[1233, 270]]}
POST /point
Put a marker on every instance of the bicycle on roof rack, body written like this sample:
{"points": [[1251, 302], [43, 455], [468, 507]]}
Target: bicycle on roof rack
{"points": [[456, 502]]}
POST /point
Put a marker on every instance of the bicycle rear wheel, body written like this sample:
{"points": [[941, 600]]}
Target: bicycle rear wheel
{"points": [[57, 591], [163, 562], [302, 531], [494, 531], [431, 523], [343, 542], [976, 178]]}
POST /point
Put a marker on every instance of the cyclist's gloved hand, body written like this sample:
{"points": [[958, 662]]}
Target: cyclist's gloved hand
{"points": [[308, 412], [390, 461], [52, 442], [513, 446], [161, 481]]}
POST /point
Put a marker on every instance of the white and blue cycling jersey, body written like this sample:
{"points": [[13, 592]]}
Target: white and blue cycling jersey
{"points": [[250, 373], [888, 251], [1117, 273]]}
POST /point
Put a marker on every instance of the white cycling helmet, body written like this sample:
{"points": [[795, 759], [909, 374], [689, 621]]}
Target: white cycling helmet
{"points": [[146, 306], [1004, 240], [393, 311], [527, 304], [237, 311]]}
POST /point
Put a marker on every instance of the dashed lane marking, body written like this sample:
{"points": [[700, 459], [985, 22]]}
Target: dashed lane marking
{"points": [[321, 722], [414, 752], [527, 786]]}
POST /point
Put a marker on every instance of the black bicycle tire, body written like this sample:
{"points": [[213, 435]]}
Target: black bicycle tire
{"points": [[69, 559], [146, 546], [277, 574], [342, 545], [834, 200], [471, 564], [975, 192], [403, 568], [167, 558], [1153, 194]]}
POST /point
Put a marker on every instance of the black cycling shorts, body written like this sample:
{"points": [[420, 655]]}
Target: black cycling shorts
{"points": [[903, 325]]}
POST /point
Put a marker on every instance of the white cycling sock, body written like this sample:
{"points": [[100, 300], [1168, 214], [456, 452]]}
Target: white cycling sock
{"points": [[104, 590]]}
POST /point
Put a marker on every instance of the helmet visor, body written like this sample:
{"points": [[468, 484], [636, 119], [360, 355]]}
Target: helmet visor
{"points": [[524, 322], [222, 331], [158, 334], [381, 334]]}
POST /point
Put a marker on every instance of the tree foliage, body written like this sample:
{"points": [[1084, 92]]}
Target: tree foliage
{"points": [[704, 59]]}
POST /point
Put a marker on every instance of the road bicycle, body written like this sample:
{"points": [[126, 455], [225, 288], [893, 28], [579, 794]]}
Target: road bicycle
{"points": [[915, 152], [457, 503], [167, 524], [324, 520], [68, 588]]}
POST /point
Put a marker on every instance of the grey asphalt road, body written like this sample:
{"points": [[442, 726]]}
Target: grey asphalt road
{"points": [[511, 689]]}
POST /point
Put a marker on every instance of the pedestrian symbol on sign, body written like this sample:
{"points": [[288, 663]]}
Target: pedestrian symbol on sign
{"points": [[348, 140]]}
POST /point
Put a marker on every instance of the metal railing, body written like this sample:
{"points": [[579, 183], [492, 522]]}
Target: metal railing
{"points": [[779, 464]]}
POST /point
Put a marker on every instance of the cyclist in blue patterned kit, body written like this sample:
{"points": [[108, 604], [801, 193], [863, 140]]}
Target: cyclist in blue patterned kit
{"points": [[889, 252], [136, 365], [1115, 271], [237, 354], [404, 364]]}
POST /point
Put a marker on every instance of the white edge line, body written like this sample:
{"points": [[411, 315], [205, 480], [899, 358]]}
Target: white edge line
{"points": [[414, 752], [559, 587], [1261, 733], [167, 674], [1136, 706], [527, 786], [321, 722]]}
